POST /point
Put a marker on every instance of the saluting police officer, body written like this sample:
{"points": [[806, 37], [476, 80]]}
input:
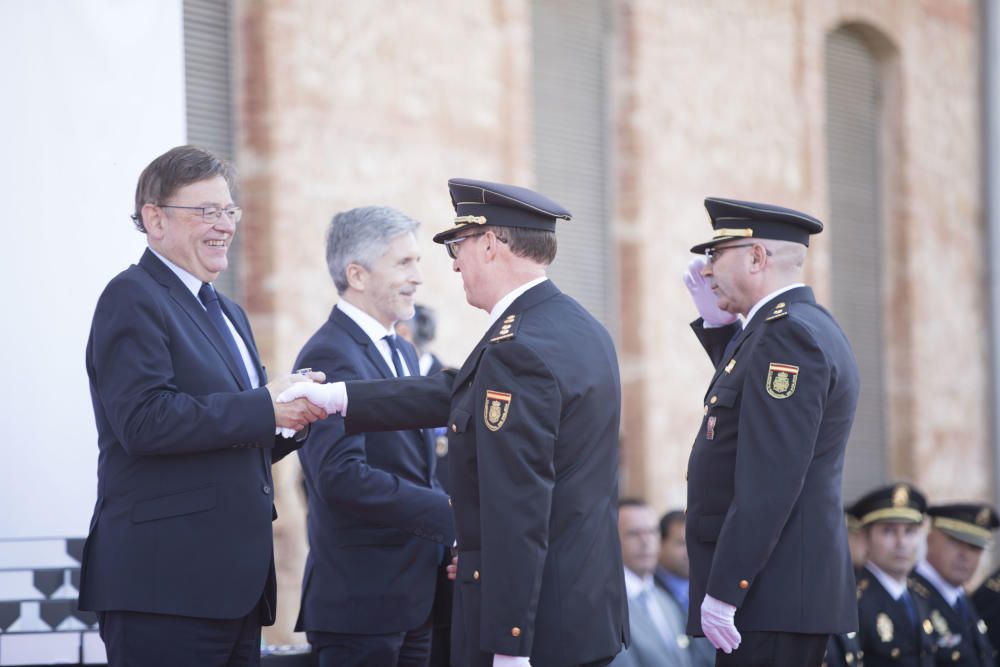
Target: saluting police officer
{"points": [[771, 574], [955, 544], [893, 616], [533, 418]]}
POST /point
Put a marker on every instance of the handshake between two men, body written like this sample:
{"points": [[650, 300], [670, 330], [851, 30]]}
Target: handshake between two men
{"points": [[311, 398]]}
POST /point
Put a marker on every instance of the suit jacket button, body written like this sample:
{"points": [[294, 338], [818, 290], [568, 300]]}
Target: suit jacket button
{"points": [[515, 632], [475, 575], [266, 489], [744, 584]]}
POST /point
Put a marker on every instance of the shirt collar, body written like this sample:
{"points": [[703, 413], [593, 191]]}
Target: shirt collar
{"points": [[504, 303], [948, 592], [191, 281], [635, 585], [894, 587], [760, 304], [372, 327]]}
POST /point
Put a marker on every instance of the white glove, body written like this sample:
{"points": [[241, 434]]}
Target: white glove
{"points": [[331, 397], [718, 626], [704, 299], [511, 660]]}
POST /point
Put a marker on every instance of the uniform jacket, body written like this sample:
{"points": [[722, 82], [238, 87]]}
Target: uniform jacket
{"points": [[182, 523], [960, 641], [986, 600], [765, 523], [843, 650], [378, 520], [886, 633], [533, 417]]}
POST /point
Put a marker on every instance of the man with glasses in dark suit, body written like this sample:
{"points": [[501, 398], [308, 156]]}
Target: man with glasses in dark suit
{"points": [[179, 560]]}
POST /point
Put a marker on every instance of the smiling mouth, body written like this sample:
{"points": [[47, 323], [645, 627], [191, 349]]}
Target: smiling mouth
{"points": [[216, 243]]}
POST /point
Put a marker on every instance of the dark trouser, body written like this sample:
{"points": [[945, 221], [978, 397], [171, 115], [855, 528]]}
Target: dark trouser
{"points": [[398, 649], [139, 639], [775, 649]]}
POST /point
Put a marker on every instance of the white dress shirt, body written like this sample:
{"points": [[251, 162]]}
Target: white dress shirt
{"points": [[376, 332], [504, 303], [948, 592], [760, 304], [893, 586], [194, 283]]}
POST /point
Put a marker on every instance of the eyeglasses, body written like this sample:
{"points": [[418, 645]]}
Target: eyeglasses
{"points": [[713, 253], [449, 245], [211, 214]]}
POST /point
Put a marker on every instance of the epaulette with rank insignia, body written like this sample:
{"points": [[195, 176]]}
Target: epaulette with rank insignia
{"points": [[507, 329], [919, 588], [862, 587], [779, 311]]}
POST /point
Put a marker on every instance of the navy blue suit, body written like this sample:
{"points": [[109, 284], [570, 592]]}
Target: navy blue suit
{"points": [[182, 524], [378, 519]]}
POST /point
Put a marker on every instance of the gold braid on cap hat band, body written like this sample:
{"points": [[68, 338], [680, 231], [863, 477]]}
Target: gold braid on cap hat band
{"points": [[893, 513], [470, 220], [961, 527], [732, 232]]}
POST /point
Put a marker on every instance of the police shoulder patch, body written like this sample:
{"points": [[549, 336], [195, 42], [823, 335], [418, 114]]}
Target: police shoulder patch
{"points": [[779, 311], [781, 380], [496, 409], [507, 329]]}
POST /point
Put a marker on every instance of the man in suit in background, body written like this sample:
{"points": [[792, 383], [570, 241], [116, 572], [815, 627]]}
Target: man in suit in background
{"points": [[764, 477], [179, 561], [959, 534], [378, 520], [673, 574], [656, 622], [533, 415]]}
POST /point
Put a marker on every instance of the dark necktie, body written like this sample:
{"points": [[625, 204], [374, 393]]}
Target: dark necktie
{"points": [[394, 353], [911, 610], [210, 299], [962, 609]]}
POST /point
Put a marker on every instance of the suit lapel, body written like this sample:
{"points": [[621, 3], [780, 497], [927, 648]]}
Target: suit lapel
{"points": [[243, 329], [190, 305], [343, 320]]}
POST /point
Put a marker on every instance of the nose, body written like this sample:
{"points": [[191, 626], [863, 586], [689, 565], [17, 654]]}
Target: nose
{"points": [[225, 224], [418, 277]]}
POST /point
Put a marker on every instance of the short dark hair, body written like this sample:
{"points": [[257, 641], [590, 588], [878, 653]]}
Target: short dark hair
{"points": [[538, 245], [632, 501], [173, 170], [669, 519]]}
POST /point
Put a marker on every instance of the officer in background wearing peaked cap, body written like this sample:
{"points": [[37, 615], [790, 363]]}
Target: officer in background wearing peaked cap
{"points": [[894, 619], [533, 417], [771, 575], [959, 533]]}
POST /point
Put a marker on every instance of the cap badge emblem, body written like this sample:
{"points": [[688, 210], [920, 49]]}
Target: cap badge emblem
{"points": [[901, 496]]}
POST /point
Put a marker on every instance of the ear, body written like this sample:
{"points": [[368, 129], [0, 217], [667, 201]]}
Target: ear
{"points": [[357, 277], [491, 247], [154, 219], [758, 258]]}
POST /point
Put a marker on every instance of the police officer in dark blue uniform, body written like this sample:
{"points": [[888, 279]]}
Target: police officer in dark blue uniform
{"points": [[986, 600], [959, 534], [771, 575], [533, 417], [894, 619]]}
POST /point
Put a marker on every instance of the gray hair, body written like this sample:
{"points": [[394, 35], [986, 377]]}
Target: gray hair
{"points": [[360, 236]]}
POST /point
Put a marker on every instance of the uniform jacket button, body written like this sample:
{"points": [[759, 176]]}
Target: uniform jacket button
{"points": [[266, 489], [894, 653], [475, 576], [454, 428], [713, 400], [515, 632], [449, 501], [744, 584], [955, 656]]}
